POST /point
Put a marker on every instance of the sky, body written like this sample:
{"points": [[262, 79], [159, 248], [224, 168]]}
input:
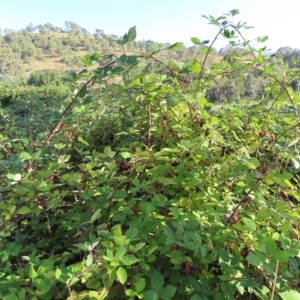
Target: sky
{"points": [[161, 20]]}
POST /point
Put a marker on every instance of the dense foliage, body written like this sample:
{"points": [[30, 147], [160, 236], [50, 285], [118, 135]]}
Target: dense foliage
{"points": [[133, 186]]}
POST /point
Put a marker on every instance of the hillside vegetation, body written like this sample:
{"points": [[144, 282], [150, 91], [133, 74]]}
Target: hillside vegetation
{"points": [[122, 180]]}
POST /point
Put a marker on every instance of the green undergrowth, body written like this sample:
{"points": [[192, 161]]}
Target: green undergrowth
{"points": [[131, 187]]}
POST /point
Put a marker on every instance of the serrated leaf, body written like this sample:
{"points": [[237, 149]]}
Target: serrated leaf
{"points": [[32, 273], [196, 41], [26, 155], [172, 101], [235, 259], [96, 215], [224, 255], [281, 256], [122, 275], [129, 260], [116, 230], [250, 224], [174, 46], [93, 294], [195, 284], [130, 293], [285, 227], [150, 295], [23, 210], [130, 36], [195, 67], [253, 259], [89, 260], [157, 281], [269, 246], [119, 194], [82, 141], [226, 33], [140, 285], [131, 233], [269, 68], [168, 232], [120, 251], [11, 297], [196, 297], [168, 292], [290, 295]]}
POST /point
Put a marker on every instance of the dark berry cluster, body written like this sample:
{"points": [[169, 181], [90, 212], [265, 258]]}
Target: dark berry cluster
{"points": [[296, 286], [175, 163], [185, 79], [226, 150], [187, 268], [140, 193], [246, 201], [125, 165], [245, 252], [215, 268], [262, 133], [233, 218]]}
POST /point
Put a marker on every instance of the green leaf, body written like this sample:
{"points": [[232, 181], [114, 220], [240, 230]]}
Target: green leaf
{"points": [[82, 141], [253, 259], [130, 36], [26, 155], [119, 194], [196, 41], [196, 297], [32, 273], [93, 294], [282, 256], [290, 295], [89, 260], [131, 233], [285, 227], [235, 260], [174, 46], [11, 297], [122, 275], [172, 101], [103, 294], [150, 295], [120, 251], [168, 292], [226, 33], [116, 230], [157, 281], [168, 232], [250, 224], [96, 215], [83, 91], [269, 246], [195, 284], [140, 285], [128, 260], [293, 262], [224, 255], [23, 210], [87, 100], [130, 293], [195, 67], [269, 68]]}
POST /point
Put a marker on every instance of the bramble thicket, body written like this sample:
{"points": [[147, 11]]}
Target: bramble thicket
{"points": [[127, 183]]}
